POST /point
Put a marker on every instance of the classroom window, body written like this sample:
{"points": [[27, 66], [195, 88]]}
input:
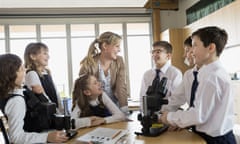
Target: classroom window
{"points": [[116, 28], [18, 46], [1, 31], [79, 51], [58, 64], [53, 31], [20, 36], [229, 58], [54, 36], [85, 30], [68, 44], [138, 29], [138, 53], [81, 37], [2, 40], [22, 31], [139, 45], [2, 46]]}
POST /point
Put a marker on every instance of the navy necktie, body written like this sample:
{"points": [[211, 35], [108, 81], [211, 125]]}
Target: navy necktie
{"points": [[157, 74], [194, 88]]}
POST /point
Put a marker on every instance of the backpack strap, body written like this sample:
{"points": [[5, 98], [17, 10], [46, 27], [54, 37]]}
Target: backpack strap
{"points": [[49, 88], [4, 101]]}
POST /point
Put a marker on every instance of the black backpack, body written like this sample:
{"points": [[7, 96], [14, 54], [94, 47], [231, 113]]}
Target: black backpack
{"points": [[39, 111]]}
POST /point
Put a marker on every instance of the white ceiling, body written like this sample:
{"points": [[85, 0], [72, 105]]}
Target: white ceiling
{"points": [[70, 3]]}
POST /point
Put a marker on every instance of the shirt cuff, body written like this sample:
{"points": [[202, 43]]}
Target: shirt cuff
{"points": [[88, 122], [106, 120], [124, 109], [82, 122]]}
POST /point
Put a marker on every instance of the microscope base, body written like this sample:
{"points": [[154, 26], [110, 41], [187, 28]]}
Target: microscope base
{"points": [[71, 133], [153, 132]]}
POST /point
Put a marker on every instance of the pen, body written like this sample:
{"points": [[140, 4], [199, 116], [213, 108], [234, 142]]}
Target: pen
{"points": [[116, 134]]}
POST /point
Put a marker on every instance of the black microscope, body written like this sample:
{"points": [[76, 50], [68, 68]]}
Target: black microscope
{"points": [[64, 122], [152, 104]]}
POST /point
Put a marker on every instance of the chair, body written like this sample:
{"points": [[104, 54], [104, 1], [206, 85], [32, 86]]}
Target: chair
{"points": [[4, 138]]}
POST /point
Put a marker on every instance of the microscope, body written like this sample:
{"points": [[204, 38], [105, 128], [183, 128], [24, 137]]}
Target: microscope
{"points": [[152, 104], [64, 122]]}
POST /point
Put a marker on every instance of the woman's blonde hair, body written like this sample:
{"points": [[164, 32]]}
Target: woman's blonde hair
{"points": [[33, 49], [95, 48]]}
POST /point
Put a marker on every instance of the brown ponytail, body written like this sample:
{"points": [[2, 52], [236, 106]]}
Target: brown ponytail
{"points": [[88, 62]]}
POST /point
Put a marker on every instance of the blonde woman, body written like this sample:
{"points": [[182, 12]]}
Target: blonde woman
{"points": [[104, 62]]}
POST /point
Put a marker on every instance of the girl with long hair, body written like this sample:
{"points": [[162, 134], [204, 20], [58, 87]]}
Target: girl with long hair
{"points": [[92, 106]]}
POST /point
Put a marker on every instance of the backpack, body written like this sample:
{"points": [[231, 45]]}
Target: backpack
{"points": [[39, 111]]}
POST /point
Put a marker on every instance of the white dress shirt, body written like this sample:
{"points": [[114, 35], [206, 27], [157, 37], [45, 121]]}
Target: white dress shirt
{"points": [[213, 111], [117, 115], [182, 94], [15, 110], [173, 75]]}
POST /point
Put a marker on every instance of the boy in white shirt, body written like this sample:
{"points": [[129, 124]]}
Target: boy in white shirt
{"points": [[181, 95], [211, 113], [188, 58], [161, 54]]}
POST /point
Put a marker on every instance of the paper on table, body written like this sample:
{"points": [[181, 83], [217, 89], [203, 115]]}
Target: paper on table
{"points": [[102, 135]]}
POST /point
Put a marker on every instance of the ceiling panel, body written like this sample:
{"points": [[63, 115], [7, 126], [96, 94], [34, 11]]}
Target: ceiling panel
{"points": [[70, 3]]}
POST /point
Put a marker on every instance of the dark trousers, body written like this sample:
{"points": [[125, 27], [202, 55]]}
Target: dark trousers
{"points": [[228, 138]]}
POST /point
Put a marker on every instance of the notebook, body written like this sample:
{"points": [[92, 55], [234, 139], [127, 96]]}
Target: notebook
{"points": [[102, 135]]}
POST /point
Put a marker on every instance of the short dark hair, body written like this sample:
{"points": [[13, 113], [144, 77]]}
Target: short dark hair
{"points": [[166, 45], [212, 34], [188, 41]]}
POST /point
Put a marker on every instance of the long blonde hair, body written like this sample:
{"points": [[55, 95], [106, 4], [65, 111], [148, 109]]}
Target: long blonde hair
{"points": [[33, 49], [88, 62]]}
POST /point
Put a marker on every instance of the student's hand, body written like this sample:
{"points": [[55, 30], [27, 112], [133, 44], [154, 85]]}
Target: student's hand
{"points": [[163, 118], [174, 128], [98, 121], [37, 89], [92, 118], [57, 137], [125, 110]]}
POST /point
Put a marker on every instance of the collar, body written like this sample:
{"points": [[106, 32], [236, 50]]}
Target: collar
{"points": [[209, 67], [44, 72], [195, 68], [164, 68], [17, 91], [94, 102]]}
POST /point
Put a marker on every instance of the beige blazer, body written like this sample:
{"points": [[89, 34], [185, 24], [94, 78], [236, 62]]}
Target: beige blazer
{"points": [[118, 78]]}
